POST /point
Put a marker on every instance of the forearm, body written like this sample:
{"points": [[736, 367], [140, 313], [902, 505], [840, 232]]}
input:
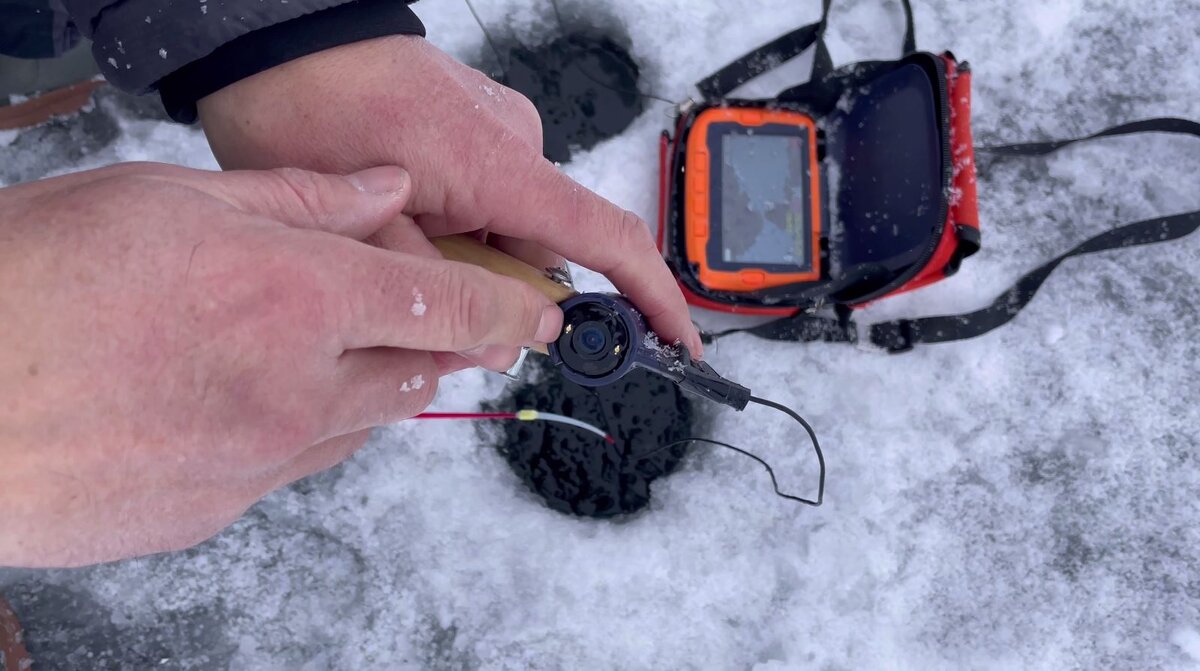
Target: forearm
{"points": [[188, 50], [274, 45]]}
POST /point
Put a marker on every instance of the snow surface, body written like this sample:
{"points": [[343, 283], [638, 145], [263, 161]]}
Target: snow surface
{"points": [[1028, 499]]}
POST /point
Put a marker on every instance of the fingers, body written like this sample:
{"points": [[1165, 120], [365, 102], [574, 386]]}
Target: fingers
{"points": [[389, 299], [370, 387], [551, 209], [403, 235], [319, 457], [380, 385], [354, 206], [597, 234], [450, 362], [498, 358], [530, 252]]}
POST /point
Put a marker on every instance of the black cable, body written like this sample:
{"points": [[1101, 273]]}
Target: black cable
{"points": [[771, 472], [716, 335], [488, 36], [562, 28], [558, 17], [812, 435], [619, 89]]}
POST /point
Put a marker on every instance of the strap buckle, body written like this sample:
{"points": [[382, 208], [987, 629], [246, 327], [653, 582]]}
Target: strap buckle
{"points": [[862, 338], [894, 336]]}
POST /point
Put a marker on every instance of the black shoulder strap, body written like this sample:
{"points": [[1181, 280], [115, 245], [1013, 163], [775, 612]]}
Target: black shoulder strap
{"points": [[784, 48], [1156, 125], [900, 335], [910, 38], [765, 58], [800, 327]]}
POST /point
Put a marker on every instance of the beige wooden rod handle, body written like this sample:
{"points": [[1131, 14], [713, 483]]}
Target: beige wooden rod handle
{"points": [[466, 249]]}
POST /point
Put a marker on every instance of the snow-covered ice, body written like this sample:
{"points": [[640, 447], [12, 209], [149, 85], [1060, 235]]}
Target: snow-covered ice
{"points": [[1029, 499]]}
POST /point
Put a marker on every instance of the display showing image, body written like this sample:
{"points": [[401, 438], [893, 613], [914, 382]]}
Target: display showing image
{"points": [[764, 200]]}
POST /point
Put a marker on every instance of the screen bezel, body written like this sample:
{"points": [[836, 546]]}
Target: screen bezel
{"points": [[702, 199]]}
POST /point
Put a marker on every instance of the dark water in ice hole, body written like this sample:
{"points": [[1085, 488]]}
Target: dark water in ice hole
{"points": [[584, 86]]}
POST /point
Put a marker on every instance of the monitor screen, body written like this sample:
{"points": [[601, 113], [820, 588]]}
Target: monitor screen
{"points": [[764, 199]]}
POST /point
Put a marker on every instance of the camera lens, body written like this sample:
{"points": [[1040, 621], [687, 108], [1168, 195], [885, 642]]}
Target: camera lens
{"points": [[590, 338], [598, 339]]}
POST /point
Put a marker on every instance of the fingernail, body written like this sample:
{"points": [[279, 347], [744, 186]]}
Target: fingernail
{"points": [[381, 180], [697, 345], [550, 326]]}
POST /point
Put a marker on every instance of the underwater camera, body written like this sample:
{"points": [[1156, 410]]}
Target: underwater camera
{"points": [[604, 337], [599, 340]]}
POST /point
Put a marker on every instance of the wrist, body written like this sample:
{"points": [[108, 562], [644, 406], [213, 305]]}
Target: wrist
{"points": [[293, 115], [275, 45]]}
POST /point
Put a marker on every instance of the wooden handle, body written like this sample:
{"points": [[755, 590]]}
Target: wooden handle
{"points": [[466, 249]]}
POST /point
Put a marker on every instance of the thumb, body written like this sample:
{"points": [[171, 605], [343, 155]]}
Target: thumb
{"points": [[354, 206]]}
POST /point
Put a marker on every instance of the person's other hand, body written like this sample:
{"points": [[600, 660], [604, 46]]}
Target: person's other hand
{"points": [[473, 146], [177, 343]]}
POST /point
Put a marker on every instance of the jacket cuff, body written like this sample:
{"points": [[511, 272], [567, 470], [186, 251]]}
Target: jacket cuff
{"points": [[267, 47]]}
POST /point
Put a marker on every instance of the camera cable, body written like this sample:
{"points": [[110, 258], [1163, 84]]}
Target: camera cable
{"points": [[529, 415]]}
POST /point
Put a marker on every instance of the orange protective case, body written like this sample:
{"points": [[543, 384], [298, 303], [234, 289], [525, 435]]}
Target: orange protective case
{"points": [[698, 211]]}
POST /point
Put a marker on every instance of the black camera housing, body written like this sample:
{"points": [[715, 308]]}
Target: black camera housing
{"points": [[600, 339], [604, 337]]}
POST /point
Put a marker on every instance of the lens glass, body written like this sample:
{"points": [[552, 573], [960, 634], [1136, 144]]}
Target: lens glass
{"points": [[595, 339], [591, 338]]}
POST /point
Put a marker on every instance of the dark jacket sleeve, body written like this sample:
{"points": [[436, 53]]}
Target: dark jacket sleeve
{"points": [[35, 29], [190, 48]]}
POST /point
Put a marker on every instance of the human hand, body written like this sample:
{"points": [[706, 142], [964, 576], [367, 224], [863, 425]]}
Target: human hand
{"points": [[178, 343], [473, 146]]}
